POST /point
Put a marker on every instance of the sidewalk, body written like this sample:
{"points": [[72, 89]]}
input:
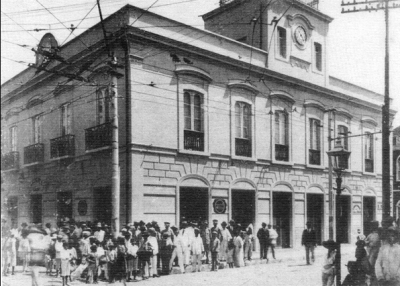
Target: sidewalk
{"points": [[288, 255]]}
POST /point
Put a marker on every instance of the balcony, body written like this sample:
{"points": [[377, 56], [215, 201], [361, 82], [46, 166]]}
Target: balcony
{"points": [[242, 147], [98, 136], [10, 161], [369, 165], [314, 157], [281, 152], [193, 140], [34, 153], [62, 146]]}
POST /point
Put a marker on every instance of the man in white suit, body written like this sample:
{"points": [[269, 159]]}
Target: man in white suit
{"points": [[179, 250]]}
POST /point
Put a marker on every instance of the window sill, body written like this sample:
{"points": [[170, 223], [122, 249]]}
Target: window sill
{"points": [[33, 164], [243, 158], [369, 173], [191, 152], [319, 167], [285, 163], [63, 157]]}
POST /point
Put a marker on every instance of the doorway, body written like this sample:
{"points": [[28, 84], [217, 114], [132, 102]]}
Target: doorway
{"points": [[243, 207], [282, 217], [36, 208], [64, 206], [103, 204], [315, 213], [193, 204], [343, 218], [368, 214]]}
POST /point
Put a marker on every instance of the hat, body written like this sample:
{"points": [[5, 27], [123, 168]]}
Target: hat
{"points": [[329, 244], [196, 229], [166, 223], [174, 228], [224, 223], [135, 223], [145, 234], [151, 230], [99, 224], [142, 223], [214, 231], [392, 229], [59, 236], [215, 220]]}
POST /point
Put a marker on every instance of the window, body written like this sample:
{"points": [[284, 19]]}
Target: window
{"points": [[65, 119], [398, 169], [13, 139], [369, 152], [37, 129], [318, 56], [315, 142], [282, 41], [281, 136], [343, 132], [242, 129], [193, 118], [103, 106]]}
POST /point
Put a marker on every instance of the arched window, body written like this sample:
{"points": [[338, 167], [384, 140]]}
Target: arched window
{"points": [[369, 152], [194, 127], [281, 136], [243, 129]]}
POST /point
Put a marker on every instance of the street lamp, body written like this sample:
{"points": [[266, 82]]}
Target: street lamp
{"points": [[339, 159]]}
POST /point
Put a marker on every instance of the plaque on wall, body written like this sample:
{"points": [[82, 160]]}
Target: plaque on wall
{"points": [[82, 207], [219, 206]]}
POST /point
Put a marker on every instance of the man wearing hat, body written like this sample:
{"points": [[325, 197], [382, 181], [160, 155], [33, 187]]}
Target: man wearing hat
{"points": [[99, 233], [263, 238], [58, 246], [387, 266], [168, 230], [231, 227], [216, 228], [196, 250], [309, 240], [179, 247], [154, 245], [187, 240], [225, 237]]}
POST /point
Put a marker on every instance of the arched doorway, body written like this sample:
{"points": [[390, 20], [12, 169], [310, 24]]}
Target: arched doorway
{"points": [[243, 203], [282, 214], [194, 199], [315, 210], [343, 216], [369, 210]]}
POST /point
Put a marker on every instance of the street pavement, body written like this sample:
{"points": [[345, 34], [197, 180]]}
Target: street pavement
{"points": [[288, 269]]}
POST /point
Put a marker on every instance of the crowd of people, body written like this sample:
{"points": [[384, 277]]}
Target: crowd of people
{"points": [[91, 251]]}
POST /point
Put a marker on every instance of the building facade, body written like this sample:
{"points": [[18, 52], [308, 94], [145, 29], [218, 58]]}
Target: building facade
{"points": [[213, 124], [396, 172]]}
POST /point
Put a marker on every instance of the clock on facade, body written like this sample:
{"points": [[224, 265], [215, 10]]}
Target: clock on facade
{"points": [[300, 35]]}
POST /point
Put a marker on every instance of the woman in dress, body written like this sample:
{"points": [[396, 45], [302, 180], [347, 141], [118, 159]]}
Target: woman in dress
{"points": [[65, 256], [238, 241], [328, 270]]}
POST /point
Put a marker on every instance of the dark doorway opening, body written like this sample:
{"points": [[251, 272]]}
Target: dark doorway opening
{"points": [[315, 213], [343, 218], [193, 204], [368, 213], [36, 208], [103, 204], [243, 207], [282, 212], [64, 206]]}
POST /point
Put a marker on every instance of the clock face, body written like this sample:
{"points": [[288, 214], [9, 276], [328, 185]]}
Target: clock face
{"points": [[300, 35]]}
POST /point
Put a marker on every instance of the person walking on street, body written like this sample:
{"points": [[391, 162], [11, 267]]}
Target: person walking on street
{"points": [[10, 253], [387, 267], [24, 249], [263, 238], [248, 244], [328, 270], [185, 236], [273, 235], [238, 241], [197, 251], [309, 241]]}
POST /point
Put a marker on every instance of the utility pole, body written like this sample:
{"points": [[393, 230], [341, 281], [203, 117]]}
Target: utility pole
{"points": [[115, 176], [375, 5], [331, 127]]}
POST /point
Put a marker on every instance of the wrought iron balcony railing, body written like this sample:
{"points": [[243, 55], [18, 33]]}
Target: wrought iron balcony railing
{"points": [[62, 146], [242, 147], [369, 165], [98, 136], [281, 152], [314, 157], [34, 153], [10, 161], [193, 140]]}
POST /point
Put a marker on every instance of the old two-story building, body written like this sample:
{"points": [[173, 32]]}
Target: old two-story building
{"points": [[396, 172], [230, 122]]}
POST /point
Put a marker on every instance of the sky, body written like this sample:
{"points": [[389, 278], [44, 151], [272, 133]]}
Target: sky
{"points": [[356, 40]]}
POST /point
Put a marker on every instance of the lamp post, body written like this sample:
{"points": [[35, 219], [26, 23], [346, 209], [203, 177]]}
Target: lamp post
{"points": [[339, 159]]}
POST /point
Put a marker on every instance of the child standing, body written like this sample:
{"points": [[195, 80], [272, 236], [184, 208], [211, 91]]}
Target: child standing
{"points": [[215, 248], [65, 257], [231, 253]]}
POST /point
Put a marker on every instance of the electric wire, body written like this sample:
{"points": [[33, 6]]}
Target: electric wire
{"points": [[20, 26]]}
